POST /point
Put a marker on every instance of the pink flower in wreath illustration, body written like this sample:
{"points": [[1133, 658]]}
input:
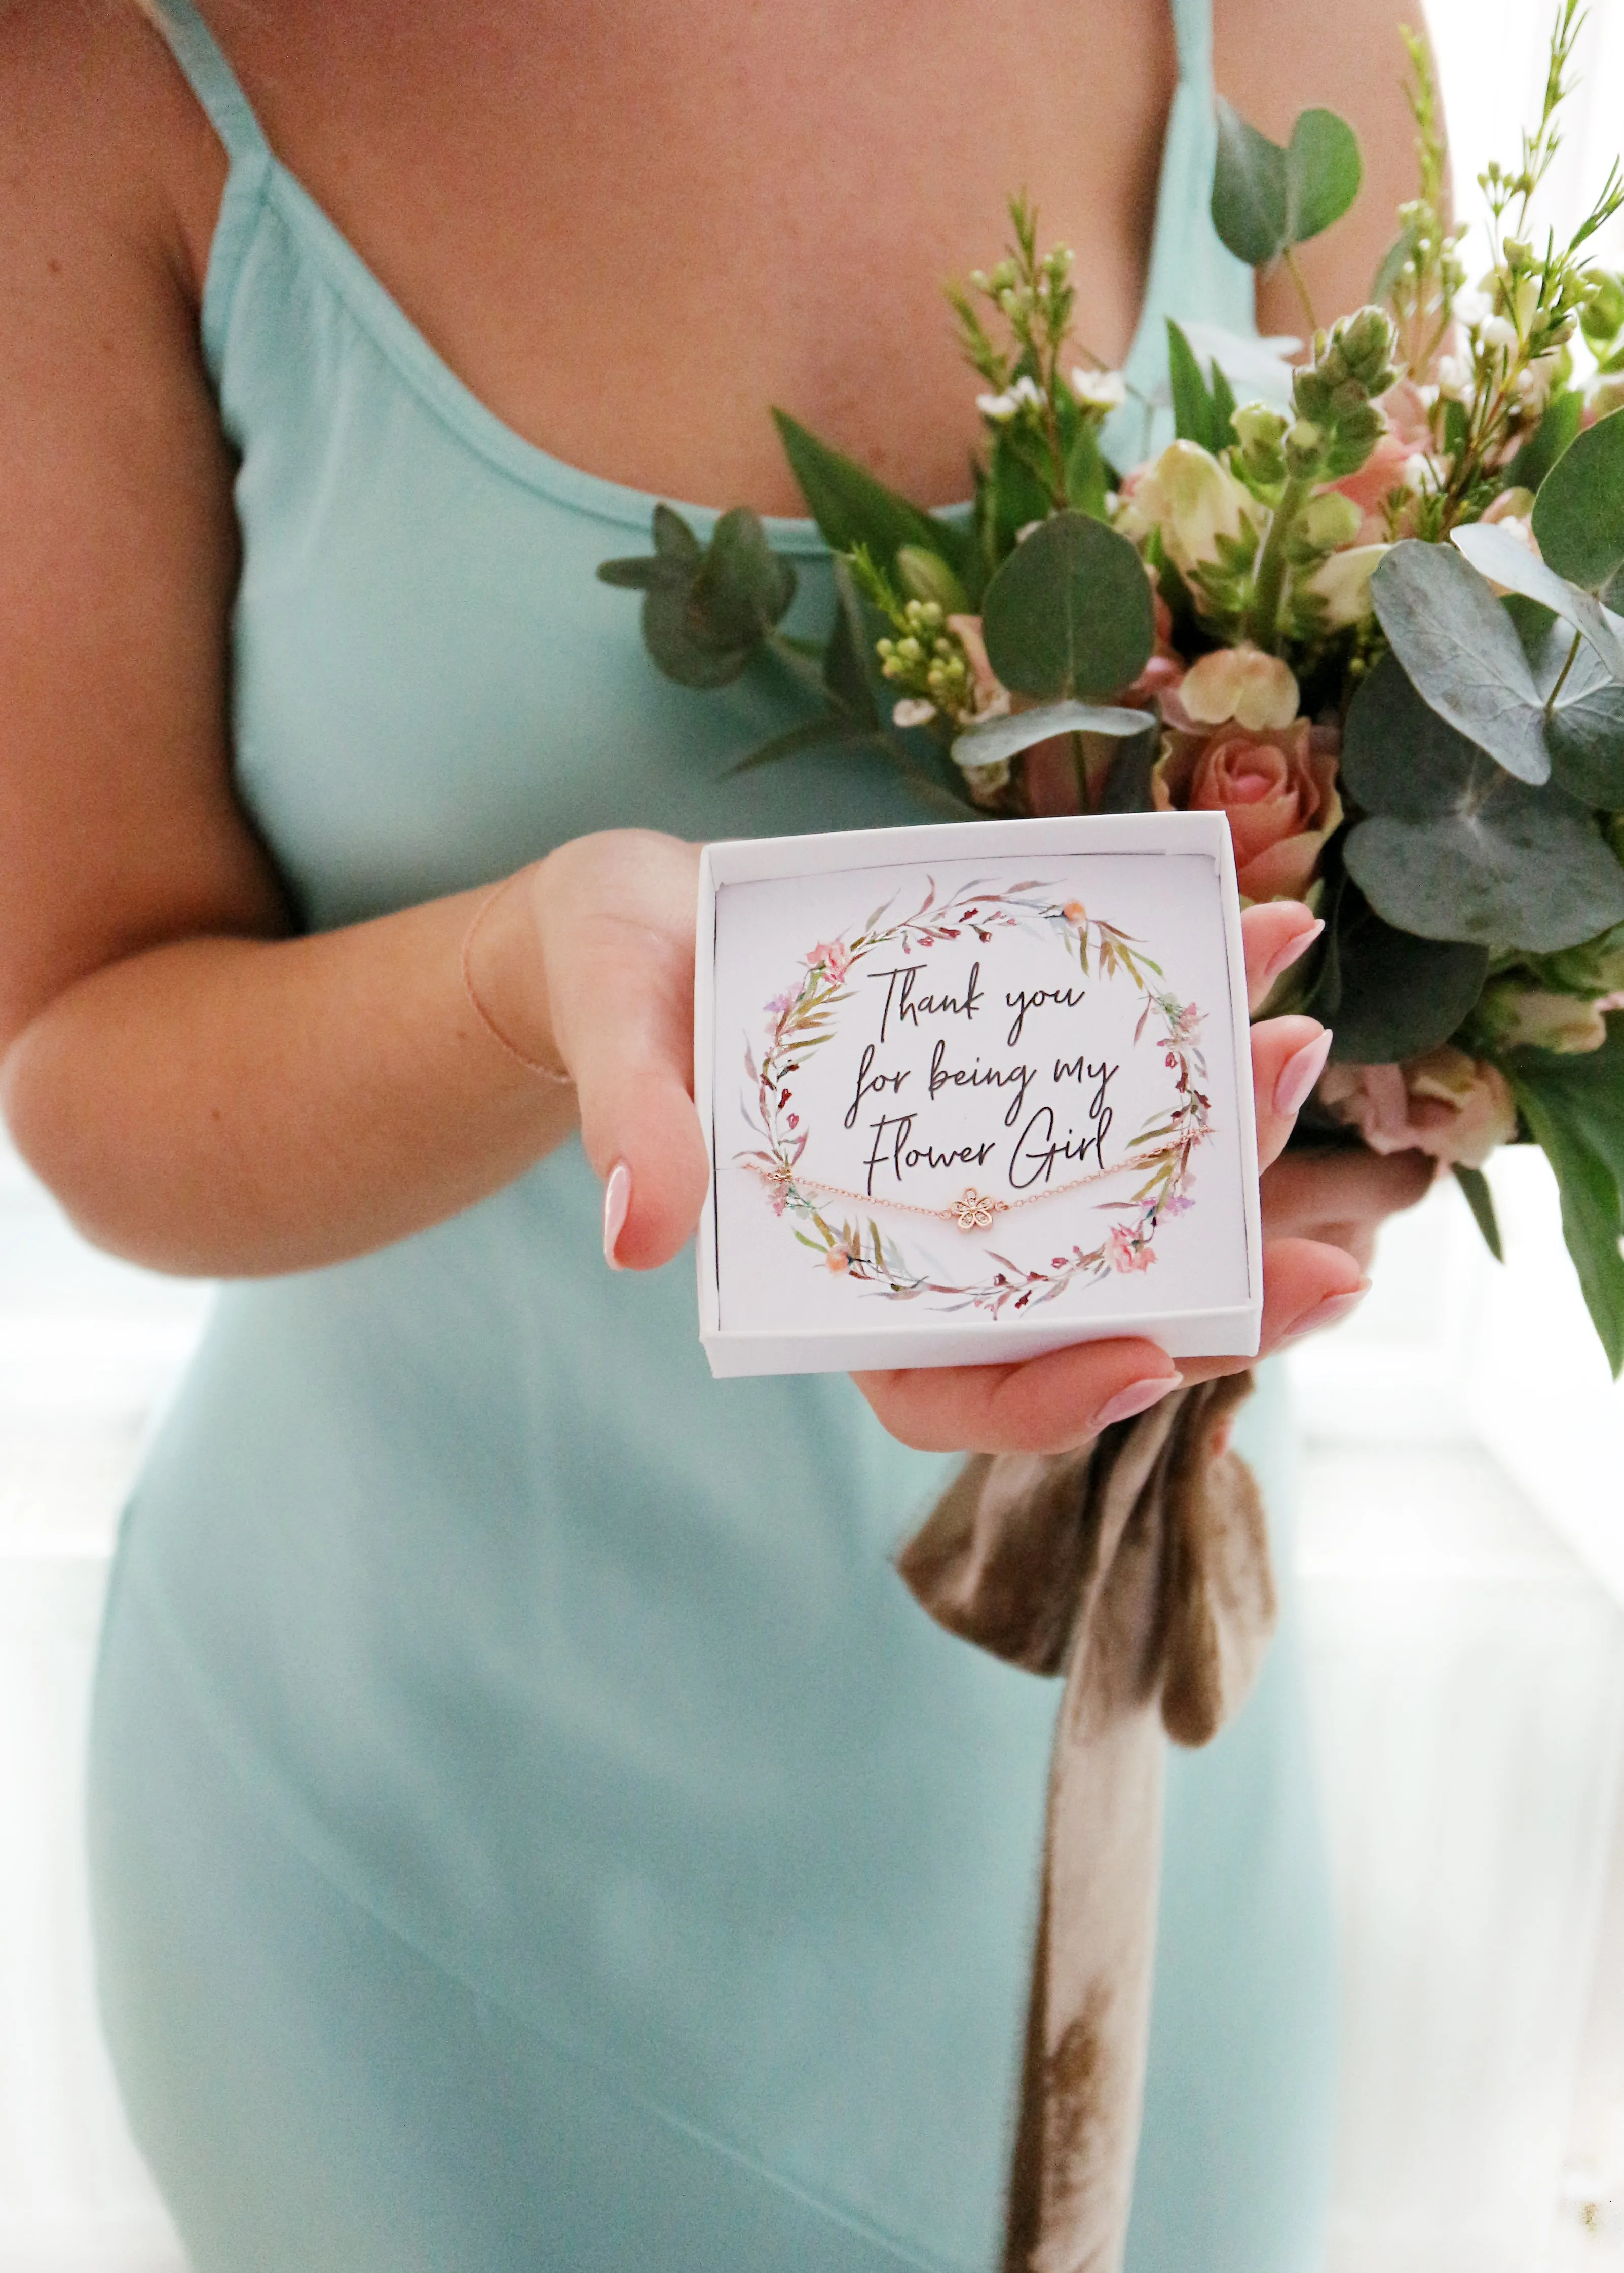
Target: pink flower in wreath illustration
{"points": [[1127, 1252], [836, 958]]}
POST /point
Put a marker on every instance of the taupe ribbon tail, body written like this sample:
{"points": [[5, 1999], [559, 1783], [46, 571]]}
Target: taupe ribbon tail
{"points": [[1139, 1568]]}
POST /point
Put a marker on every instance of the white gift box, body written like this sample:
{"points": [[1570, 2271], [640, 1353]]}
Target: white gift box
{"points": [[974, 1091]]}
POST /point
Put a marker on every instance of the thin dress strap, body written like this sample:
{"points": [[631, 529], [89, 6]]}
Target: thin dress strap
{"points": [[1193, 29], [209, 75]]}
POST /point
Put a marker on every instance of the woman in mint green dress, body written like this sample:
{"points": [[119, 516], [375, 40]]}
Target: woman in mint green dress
{"points": [[532, 1826]]}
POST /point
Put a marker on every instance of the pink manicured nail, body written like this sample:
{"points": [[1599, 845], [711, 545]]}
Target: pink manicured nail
{"points": [[1328, 1313], [1292, 949], [1301, 1070], [617, 1206], [1138, 1397]]}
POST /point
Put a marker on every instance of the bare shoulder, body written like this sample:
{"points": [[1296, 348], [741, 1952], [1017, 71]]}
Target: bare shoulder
{"points": [[98, 127], [116, 543], [1348, 56]]}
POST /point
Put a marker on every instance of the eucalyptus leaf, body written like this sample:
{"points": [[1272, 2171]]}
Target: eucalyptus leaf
{"points": [[680, 648], [1585, 732], [1386, 995], [1462, 653], [674, 539], [1250, 199], [1494, 552], [1323, 173], [1266, 199], [1069, 611], [851, 508], [1004, 738], [1456, 847], [1511, 867], [1127, 784], [1579, 511], [742, 588]]}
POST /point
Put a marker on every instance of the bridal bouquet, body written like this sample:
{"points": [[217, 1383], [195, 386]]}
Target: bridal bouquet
{"points": [[1369, 615]]}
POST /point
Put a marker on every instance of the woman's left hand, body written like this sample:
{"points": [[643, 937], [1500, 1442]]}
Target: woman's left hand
{"points": [[1321, 1216]]}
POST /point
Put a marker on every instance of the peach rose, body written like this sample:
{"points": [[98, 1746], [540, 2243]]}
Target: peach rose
{"points": [[1277, 788], [1457, 1108]]}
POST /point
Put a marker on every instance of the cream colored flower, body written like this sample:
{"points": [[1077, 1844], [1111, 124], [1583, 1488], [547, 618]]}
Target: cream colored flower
{"points": [[1241, 683], [1343, 582], [1192, 501]]}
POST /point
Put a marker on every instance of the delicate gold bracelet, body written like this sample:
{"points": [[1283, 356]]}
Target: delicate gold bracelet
{"points": [[562, 1077], [971, 1210]]}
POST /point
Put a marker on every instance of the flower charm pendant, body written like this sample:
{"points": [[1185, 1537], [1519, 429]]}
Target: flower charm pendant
{"points": [[975, 1210]]}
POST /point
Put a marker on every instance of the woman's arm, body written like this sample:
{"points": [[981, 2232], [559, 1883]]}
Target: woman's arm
{"points": [[204, 1092], [1273, 61]]}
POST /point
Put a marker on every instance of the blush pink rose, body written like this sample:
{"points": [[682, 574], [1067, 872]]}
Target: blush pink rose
{"points": [[1457, 1108], [1276, 788]]}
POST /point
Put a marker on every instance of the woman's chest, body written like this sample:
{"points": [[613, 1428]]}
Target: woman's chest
{"points": [[630, 227]]}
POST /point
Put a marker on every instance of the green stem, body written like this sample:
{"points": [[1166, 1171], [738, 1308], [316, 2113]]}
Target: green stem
{"points": [[1301, 282], [1573, 657], [1268, 585]]}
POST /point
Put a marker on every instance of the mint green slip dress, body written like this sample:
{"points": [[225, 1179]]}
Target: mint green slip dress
{"points": [[532, 1826]]}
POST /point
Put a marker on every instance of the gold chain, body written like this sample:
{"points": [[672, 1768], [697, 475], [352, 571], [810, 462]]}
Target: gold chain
{"points": [[971, 1210]]}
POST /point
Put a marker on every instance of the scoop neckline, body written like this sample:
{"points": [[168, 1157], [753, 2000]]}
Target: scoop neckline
{"points": [[466, 415]]}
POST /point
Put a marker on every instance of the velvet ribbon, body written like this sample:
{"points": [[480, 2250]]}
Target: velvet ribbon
{"points": [[1138, 1568]]}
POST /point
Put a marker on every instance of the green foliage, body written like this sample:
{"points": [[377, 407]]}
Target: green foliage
{"points": [[1457, 848], [851, 508], [1069, 612], [1460, 652], [706, 608], [1579, 513], [1422, 273], [1574, 1107], [1265, 199], [1494, 552], [1475, 1191], [996, 739], [1544, 446], [1386, 995], [1201, 413]]}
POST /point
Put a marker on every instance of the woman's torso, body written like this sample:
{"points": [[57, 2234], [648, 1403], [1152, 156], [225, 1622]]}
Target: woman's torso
{"points": [[587, 1674]]}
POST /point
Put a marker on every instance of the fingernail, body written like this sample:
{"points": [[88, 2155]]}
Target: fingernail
{"points": [[1138, 1397], [1301, 1070], [1328, 1313], [617, 1204], [1292, 949]]}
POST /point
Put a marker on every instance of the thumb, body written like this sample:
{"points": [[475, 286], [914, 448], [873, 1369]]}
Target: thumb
{"points": [[620, 994]]}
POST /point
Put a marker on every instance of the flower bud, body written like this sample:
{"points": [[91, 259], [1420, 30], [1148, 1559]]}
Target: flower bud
{"points": [[1595, 968], [1329, 521], [1360, 351], [1304, 449], [1531, 1018], [925, 576], [1602, 317]]}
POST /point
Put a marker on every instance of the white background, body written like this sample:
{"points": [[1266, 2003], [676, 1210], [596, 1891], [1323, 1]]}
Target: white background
{"points": [[1463, 1568]]}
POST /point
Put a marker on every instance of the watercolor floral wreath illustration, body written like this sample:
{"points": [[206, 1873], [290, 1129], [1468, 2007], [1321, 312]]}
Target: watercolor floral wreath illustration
{"points": [[803, 1018]]}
